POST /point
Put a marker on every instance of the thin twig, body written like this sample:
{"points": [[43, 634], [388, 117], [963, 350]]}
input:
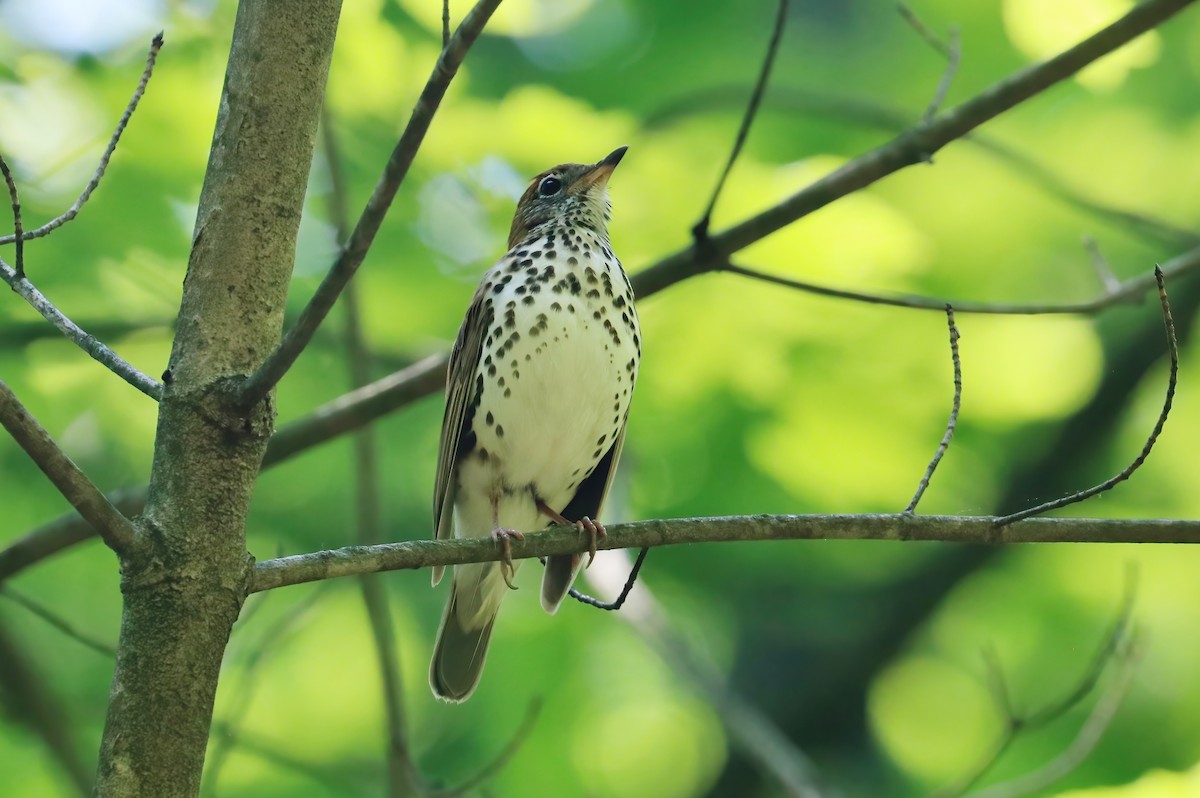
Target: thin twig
{"points": [[63, 533], [1127, 472], [700, 229], [445, 23], [85, 341], [1115, 640], [616, 603], [1108, 279], [502, 759], [1084, 743], [403, 774], [259, 384], [922, 30], [947, 79], [1129, 291], [73, 211], [18, 232], [73, 484], [59, 623], [954, 406], [951, 50]]}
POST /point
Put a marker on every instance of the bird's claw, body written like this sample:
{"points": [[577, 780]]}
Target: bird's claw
{"points": [[595, 530], [504, 538]]}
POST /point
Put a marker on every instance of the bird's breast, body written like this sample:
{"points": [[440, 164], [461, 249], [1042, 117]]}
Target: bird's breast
{"points": [[558, 365]]}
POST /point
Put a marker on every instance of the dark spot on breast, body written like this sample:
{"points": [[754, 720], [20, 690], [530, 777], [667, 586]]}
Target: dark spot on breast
{"points": [[499, 431]]}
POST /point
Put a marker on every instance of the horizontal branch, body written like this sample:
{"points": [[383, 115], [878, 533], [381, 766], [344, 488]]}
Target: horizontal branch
{"points": [[354, 560]]}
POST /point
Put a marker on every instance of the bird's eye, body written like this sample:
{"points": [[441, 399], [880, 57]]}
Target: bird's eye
{"points": [[549, 186]]}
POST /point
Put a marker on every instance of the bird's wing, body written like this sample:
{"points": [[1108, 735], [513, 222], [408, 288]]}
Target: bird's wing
{"points": [[457, 435], [561, 570], [589, 497]]}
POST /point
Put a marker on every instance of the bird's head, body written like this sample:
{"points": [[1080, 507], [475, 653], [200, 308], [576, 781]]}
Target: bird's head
{"points": [[571, 193]]}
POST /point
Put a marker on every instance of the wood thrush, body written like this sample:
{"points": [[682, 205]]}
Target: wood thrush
{"points": [[538, 394]]}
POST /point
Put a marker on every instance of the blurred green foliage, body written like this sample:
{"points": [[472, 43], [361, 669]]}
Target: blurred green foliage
{"points": [[752, 399]]}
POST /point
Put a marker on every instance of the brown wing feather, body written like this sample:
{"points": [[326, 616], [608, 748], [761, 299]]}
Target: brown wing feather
{"points": [[460, 388]]}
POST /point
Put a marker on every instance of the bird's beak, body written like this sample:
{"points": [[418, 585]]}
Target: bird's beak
{"points": [[603, 169]]}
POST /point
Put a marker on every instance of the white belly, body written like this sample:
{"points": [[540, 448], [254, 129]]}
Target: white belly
{"points": [[558, 379]]}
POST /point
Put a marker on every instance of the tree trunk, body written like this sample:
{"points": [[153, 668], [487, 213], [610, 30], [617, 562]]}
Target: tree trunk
{"points": [[186, 578]]}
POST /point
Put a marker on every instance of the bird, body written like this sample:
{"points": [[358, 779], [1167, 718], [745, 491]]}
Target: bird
{"points": [[539, 385]]}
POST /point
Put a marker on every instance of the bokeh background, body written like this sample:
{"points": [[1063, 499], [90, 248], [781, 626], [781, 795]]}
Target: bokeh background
{"points": [[753, 399]]}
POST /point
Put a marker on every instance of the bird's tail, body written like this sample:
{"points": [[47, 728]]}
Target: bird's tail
{"points": [[560, 574], [466, 628]]}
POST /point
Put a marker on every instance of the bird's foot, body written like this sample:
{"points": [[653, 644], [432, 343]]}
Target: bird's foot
{"points": [[504, 538], [593, 529]]}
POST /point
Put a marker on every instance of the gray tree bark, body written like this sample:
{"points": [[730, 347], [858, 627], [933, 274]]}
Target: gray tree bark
{"points": [[188, 572]]}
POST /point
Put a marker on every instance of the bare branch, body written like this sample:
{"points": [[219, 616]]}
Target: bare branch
{"points": [[1084, 743], [72, 483], [73, 211], [1127, 472], [259, 384], [88, 343], [1128, 291], [951, 50], [953, 59], [62, 533], [950, 425], [349, 412], [354, 560], [1108, 280], [1116, 644], [59, 623], [445, 23], [922, 30], [700, 229], [18, 231], [871, 114], [912, 146]]}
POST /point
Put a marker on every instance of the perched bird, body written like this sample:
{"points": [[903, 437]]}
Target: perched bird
{"points": [[538, 394]]}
